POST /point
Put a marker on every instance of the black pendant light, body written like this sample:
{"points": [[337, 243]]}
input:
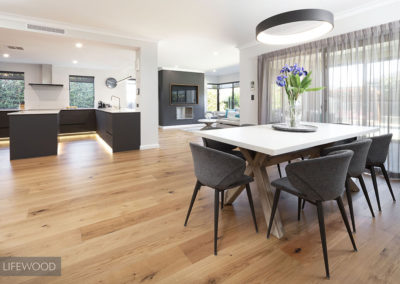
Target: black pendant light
{"points": [[295, 26]]}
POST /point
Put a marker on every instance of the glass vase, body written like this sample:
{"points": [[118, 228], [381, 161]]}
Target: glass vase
{"points": [[293, 113]]}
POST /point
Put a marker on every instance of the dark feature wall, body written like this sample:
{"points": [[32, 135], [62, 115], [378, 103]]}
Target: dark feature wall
{"points": [[167, 112]]}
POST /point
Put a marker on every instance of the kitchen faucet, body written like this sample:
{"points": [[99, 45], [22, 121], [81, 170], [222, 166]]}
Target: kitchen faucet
{"points": [[119, 101]]}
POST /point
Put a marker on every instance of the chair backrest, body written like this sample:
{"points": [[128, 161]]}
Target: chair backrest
{"points": [[379, 149], [214, 168], [360, 149], [224, 147], [321, 178]]}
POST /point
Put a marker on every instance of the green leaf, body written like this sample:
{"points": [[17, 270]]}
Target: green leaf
{"points": [[298, 82], [293, 81], [305, 83], [314, 89]]}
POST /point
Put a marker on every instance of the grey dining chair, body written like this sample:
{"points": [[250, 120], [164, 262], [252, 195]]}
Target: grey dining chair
{"points": [[376, 158], [317, 180], [356, 168], [220, 171]]}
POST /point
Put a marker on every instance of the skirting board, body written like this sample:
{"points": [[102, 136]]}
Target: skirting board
{"points": [[180, 126], [149, 146]]}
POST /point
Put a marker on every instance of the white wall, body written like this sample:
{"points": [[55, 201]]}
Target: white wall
{"points": [[248, 73], [223, 78], [147, 81], [58, 97], [353, 20]]}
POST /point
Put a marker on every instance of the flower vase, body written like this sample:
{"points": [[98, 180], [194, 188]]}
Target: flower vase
{"points": [[293, 113]]}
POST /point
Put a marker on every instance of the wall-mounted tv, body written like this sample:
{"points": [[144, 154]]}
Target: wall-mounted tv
{"points": [[184, 94]]}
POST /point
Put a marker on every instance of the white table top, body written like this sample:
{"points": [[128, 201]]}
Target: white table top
{"points": [[264, 139], [206, 120]]}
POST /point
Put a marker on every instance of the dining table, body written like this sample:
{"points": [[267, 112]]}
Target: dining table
{"points": [[263, 146]]}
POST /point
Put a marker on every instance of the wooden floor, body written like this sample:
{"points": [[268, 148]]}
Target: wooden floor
{"points": [[119, 219]]}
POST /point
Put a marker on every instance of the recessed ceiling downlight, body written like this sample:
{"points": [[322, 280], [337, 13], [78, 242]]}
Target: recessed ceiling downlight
{"points": [[78, 45], [6, 55], [75, 61], [295, 26]]}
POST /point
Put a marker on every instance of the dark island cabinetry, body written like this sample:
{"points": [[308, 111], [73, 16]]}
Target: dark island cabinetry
{"points": [[120, 130], [34, 133], [78, 120], [5, 123]]}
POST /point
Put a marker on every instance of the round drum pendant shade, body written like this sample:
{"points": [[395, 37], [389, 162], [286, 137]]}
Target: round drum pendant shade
{"points": [[295, 26]]}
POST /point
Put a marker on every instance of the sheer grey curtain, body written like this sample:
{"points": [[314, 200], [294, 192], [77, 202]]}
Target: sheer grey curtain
{"points": [[360, 71]]}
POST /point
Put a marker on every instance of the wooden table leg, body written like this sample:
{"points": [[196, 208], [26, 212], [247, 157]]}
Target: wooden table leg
{"points": [[266, 198], [256, 167]]}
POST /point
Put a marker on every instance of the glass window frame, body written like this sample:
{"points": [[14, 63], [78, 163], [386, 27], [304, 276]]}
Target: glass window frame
{"points": [[89, 79], [233, 85], [17, 76]]}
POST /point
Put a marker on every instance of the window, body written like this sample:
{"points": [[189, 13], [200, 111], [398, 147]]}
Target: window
{"points": [[131, 93], [212, 97], [221, 97], [12, 86], [81, 91]]}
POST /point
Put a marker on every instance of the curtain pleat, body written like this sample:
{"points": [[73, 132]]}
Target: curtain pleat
{"points": [[360, 71]]}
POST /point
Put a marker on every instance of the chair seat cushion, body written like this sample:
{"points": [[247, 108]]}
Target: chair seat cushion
{"points": [[285, 185], [240, 181]]}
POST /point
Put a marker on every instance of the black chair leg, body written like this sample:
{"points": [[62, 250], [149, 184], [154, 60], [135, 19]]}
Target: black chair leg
{"points": [[222, 200], [249, 196], [385, 174], [298, 208], [350, 202], [279, 170], [274, 206], [364, 189], [304, 204], [196, 189], [346, 222], [323, 236], [216, 212], [373, 176]]}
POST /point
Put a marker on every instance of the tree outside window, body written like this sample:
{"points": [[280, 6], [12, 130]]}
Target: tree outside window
{"points": [[12, 87], [81, 91]]}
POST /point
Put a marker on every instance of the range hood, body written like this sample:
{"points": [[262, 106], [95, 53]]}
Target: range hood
{"points": [[47, 77]]}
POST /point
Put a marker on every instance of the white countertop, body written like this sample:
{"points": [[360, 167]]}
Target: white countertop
{"points": [[27, 112], [56, 111], [122, 110], [264, 139]]}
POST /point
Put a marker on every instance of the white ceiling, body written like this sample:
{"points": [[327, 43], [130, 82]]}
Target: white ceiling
{"points": [[61, 51], [193, 34]]}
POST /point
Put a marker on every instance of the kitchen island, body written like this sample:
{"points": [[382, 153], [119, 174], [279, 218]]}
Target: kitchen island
{"points": [[34, 133]]}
